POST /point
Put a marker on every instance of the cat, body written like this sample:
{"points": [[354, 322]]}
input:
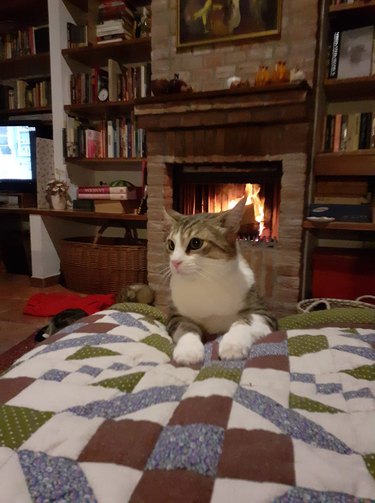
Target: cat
{"points": [[60, 320], [212, 287]]}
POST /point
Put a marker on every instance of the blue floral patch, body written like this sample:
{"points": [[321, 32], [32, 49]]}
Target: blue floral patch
{"points": [[290, 421], [54, 375], [128, 320], [128, 403], [52, 478], [269, 349], [92, 371], [329, 388], [195, 447], [359, 393], [301, 377]]}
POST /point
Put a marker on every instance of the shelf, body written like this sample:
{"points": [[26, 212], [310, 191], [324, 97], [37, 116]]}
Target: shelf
{"points": [[6, 112], [24, 12], [99, 110], [359, 88], [340, 226], [27, 67], [344, 16], [139, 220], [83, 4], [358, 163], [107, 163], [129, 51]]}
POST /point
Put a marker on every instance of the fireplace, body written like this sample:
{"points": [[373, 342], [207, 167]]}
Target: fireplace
{"points": [[206, 149], [212, 188]]}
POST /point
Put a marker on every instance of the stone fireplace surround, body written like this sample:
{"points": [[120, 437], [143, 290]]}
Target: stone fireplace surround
{"points": [[232, 126]]}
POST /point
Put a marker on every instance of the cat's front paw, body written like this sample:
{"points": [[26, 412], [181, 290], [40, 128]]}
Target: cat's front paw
{"points": [[189, 350], [236, 343]]}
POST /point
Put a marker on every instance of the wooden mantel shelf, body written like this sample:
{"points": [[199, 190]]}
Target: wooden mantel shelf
{"points": [[278, 103]]}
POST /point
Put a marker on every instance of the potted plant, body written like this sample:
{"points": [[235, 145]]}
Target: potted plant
{"points": [[57, 194]]}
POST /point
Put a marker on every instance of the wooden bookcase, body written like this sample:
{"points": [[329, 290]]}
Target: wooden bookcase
{"points": [[72, 60], [340, 96], [32, 68]]}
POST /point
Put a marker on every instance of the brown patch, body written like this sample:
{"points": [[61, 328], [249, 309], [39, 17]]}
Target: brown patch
{"points": [[213, 410], [258, 455], [278, 362], [125, 442], [173, 486], [9, 388]]}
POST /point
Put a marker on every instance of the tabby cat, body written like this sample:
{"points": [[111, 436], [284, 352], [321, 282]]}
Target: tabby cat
{"points": [[60, 320], [212, 287]]}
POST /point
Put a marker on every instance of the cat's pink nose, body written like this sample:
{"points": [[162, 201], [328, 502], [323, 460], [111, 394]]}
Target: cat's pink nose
{"points": [[176, 264]]}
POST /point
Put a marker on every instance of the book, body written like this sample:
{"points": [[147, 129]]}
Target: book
{"points": [[365, 130], [41, 39], [344, 132], [353, 132], [328, 132], [355, 52], [114, 71], [98, 195], [341, 200], [77, 35], [108, 206], [337, 133], [350, 187], [92, 144], [334, 55], [108, 189]]}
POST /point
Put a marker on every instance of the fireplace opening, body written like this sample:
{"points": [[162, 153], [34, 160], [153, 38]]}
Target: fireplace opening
{"points": [[213, 188]]}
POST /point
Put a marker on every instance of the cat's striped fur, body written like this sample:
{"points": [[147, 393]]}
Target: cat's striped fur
{"points": [[212, 287]]}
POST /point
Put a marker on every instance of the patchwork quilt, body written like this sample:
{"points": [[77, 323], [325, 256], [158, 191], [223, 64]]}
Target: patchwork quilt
{"points": [[100, 413]]}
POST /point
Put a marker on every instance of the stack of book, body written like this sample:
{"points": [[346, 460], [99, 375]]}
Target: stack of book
{"points": [[123, 82], [31, 40], [112, 138], [108, 199], [116, 22], [343, 200], [349, 132]]}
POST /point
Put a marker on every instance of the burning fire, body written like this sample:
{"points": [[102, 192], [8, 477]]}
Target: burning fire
{"points": [[252, 192]]}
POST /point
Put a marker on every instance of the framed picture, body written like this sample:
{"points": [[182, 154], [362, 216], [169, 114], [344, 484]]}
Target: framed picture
{"points": [[218, 21]]}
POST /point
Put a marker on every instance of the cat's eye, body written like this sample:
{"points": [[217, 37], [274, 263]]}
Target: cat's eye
{"points": [[195, 244], [170, 245]]}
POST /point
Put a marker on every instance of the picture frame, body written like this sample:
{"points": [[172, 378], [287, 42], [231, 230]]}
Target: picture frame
{"points": [[202, 22]]}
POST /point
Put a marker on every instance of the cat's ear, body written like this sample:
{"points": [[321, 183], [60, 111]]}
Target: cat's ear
{"points": [[172, 216], [231, 219]]}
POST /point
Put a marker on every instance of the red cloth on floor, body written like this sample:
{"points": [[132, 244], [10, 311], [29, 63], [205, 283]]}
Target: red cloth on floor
{"points": [[49, 304]]}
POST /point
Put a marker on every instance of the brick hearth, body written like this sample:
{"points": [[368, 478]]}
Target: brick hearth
{"points": [[240, 126]]}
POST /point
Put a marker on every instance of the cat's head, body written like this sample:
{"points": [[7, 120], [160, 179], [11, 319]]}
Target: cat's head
{"points": [[203, 240]]}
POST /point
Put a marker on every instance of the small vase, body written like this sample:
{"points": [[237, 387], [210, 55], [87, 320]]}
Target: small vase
{"points": [[58, 201]]}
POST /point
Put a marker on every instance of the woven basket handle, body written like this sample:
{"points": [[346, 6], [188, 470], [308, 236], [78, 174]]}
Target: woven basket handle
{"points": [[316, 303], [130, 233], [362, 297]]}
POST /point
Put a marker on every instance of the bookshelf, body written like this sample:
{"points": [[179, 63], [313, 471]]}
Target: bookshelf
{"points": [[88, 112], [338, 173], [24, 58]]}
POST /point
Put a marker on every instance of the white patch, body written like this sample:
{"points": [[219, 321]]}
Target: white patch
{"points": [[189, 350], [237, 342], [209, 291]]}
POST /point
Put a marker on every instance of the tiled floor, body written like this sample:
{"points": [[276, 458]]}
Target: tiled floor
{"points": [[15, 326]]}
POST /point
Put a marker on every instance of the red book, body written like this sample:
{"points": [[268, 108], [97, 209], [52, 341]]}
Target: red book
{"points": [[337, 133], [107, 191]]}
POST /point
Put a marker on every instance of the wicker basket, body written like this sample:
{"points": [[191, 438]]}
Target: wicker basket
{"points": [[307, 305], [102, 264]]}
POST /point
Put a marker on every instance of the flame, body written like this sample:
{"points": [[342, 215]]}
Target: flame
{"points": [[252, 193]]}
